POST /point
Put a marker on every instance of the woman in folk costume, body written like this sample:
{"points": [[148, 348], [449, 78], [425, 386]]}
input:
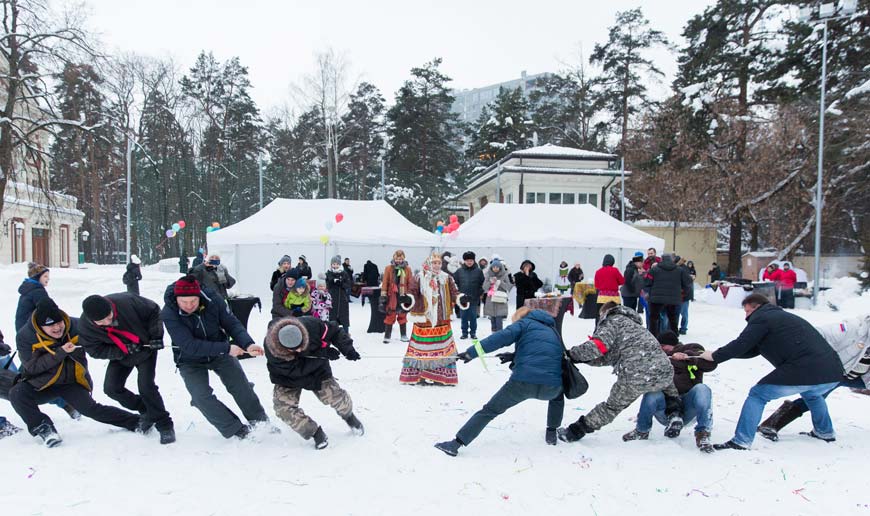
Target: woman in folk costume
{"points": [[431, 354], [562, 282]]}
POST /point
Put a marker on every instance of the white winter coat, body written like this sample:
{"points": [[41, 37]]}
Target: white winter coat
{"points": [[849, 339]]}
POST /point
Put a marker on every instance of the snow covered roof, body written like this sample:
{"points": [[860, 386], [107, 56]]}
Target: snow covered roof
{"points": [[550, 225], [305, 221], [649, 223], [564, 170], [555, 151]]}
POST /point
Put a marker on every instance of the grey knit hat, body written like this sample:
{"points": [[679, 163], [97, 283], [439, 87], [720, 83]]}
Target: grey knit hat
{"points": [[290, 336], [336, 259]]}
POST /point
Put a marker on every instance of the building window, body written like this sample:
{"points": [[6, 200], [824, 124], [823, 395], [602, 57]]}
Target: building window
{"points": [[530, 197], [555, 198], [582, 198], [16, 231], [541, 198], [64, 245], [593, 199], [568, 198]]}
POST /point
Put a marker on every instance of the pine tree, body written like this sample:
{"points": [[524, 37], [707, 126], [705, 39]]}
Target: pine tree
{"points": [[503, 127], [363, 143], [567, 109], [624, 67], [424, 156]]}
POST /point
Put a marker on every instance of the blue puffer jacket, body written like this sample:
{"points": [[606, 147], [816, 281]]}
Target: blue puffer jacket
{"points": [[538, 351], [31, 292], [202, 335]]}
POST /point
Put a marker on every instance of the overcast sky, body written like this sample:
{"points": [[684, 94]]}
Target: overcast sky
{"points": [[481, 42]]}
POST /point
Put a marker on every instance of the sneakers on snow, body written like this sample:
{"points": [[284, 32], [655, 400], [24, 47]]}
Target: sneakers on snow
{"points": [[635, 435], [449, 447], [702, 441], [355, 425], [320, 439], [463, 336], [167, 436], [675, 426], [48, 434], [551, 436], [72, 412], [729, 445], [7, 429], [814, 435]]}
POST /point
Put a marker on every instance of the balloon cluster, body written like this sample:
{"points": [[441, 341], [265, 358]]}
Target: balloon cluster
{"points": [[324, 239], [175, 228], [452, 227], [214, 227]]}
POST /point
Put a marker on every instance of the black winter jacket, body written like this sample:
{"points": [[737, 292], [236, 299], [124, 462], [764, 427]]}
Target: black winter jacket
{"points": [[371, 277], [132, 313], [202, 335], [689, 373], [575, 275], [31, 292], [526, 285], [44, 363], [338, 283], [307, 366], [633, 281], [209, 278], [667, 282], [796, 349], [469, 281]]}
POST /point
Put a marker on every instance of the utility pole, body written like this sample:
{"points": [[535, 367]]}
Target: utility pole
{"points": [[260, 171], [129, 183], [622, 190]]}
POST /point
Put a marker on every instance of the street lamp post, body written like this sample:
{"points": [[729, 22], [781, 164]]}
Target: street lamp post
{"points": [[825, 13]]}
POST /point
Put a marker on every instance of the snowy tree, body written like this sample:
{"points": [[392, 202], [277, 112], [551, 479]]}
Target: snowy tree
{"points": [[502, 127], [363, 144], [425, 140], [625, 68], [35, 44]]}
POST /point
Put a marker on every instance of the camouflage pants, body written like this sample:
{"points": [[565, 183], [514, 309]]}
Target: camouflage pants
{"points": [[623, 393], [286, 402]]}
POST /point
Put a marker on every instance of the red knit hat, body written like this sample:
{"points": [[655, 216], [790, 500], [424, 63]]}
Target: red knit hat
{"points": [[187, 286]]}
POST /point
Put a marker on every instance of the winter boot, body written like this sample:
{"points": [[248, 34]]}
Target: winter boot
{"points": [[403, 330], [702, 441], [144, 426], [729, 445], [574, 431], [320, 440], [785, 414], [551, 436], [167, 436], [7, 429], [356, 426], [635, 435], [48, 434], [388, 331], [675, 426], [450, 447], [73, 413], [243, 432], [813, 434]]}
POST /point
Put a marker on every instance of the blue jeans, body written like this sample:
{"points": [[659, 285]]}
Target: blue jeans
{"points": [[469, 318], [857, 383], [684, 316], [697, 403], [510, 394], [7, 363], [760, 394]]}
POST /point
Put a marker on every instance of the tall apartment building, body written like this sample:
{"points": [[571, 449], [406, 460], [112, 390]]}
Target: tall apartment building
{"points": [[469, 103]]}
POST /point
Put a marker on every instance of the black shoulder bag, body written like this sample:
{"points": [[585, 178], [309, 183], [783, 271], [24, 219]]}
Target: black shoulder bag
{"points": [[574, 384]]}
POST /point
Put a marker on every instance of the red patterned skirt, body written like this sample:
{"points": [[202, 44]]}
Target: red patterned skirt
{"points": [[431, 355]]}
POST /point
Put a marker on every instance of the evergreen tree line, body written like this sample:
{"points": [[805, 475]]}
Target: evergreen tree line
{"points": [[734, 142]]}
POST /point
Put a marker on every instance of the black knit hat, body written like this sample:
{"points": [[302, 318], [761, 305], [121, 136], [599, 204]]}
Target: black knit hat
{"points": [[47, 312], [468, 255], [668, 338], [96, 307]]}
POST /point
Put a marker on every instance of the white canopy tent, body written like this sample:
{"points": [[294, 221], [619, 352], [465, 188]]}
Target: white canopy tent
{"points": [[546, 234], [370, 230]]}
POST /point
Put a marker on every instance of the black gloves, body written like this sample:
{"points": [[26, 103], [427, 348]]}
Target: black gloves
{"points": [[505, 357], [155, 344], [133, 348], [4, 349], [332, 354], [465, 357], [352, 355]]}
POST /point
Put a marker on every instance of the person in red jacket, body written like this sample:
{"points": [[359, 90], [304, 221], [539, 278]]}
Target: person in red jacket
{"points": [[786, 280], [771, 273], [651, 259], [608, 279]]}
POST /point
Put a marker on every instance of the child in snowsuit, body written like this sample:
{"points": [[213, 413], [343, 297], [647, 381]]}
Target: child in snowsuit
{"points": [[321, 300], [298, 351], [639, 363], [298, 298]]}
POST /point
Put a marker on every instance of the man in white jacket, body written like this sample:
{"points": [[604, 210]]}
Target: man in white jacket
{"points": [[851, 340]]}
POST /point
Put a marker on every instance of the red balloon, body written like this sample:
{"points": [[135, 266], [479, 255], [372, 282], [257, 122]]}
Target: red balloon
{"points": [[339, 217], [181, 223]]}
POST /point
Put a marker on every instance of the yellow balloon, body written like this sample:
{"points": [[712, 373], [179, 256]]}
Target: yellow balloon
{"points": [[324, 239]]}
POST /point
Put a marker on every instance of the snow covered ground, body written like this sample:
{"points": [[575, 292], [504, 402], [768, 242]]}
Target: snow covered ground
{"points": [[394, 468]]}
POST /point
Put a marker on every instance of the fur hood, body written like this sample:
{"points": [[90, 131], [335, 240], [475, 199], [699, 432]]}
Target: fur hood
{"points": [[275, 346]]}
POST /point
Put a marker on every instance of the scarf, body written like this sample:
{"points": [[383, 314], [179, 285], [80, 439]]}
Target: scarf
{"points": [[115, 335]]}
